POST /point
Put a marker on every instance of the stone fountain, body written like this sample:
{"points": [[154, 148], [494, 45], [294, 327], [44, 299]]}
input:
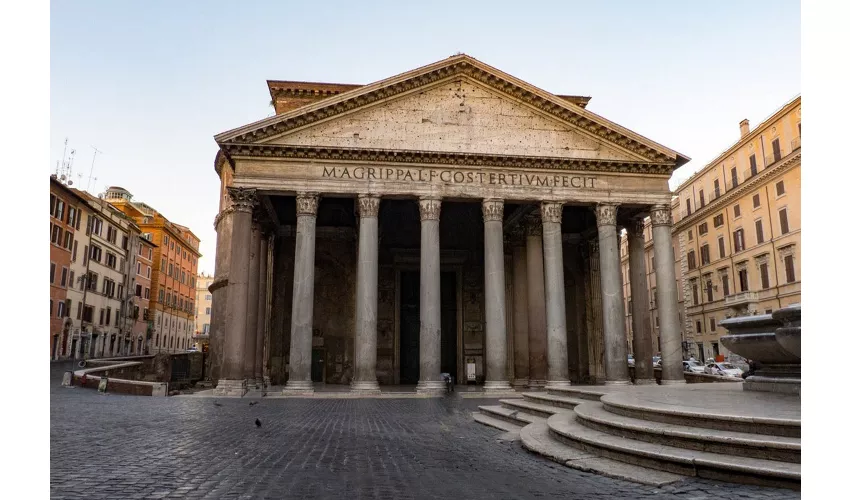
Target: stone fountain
{"points": [[773, 340]]}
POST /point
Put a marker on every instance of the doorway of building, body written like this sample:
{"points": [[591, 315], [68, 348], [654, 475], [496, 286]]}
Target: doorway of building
{"points": [[74, 347], [409, 325], [317, 366]]}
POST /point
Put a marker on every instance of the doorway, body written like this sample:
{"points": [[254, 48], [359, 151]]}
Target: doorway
{"points": [[409, 325], [317, 366], [74, 348]]}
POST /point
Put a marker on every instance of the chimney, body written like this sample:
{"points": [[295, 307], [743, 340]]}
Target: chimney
{"points": [[745, 127]]}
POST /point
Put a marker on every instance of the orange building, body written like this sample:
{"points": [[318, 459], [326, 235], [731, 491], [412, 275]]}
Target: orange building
{"points": [[142, 294], [174, 272], [64, 221]]}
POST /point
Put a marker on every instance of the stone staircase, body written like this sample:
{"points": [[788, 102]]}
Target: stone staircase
{"points": [[617, 434]]}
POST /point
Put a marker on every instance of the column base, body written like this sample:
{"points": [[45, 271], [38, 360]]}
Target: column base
{"points": [[520, 382], [298, 387], [536, 384], [556, 384], [672, 382], [497, 386], [431, 387], [365, 387], [259, 383], [618, 382], [646, 381], [230, 387]]}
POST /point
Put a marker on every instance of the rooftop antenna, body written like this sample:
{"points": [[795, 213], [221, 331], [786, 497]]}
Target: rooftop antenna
{"points": [[96, 151]]}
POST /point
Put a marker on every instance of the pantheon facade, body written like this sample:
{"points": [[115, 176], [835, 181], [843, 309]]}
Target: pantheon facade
{"points": [[450, 219]]}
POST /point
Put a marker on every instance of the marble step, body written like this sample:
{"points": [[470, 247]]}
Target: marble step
{"points": [[577, 392], [551, 400], [510, 415], [537, 438], [536, 409], [785, 449], [631, 406], [566, 428], [483, 418]]}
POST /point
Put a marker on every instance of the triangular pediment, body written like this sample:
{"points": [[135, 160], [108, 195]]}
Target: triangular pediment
{"points": [[458, 105]]}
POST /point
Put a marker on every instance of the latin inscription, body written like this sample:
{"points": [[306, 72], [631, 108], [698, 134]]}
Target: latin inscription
{"points": [[458, 177]]}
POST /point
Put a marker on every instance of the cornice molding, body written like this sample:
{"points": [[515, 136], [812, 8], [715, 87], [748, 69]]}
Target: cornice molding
{"points": [[377, 156], [748, 186], [443, 70]]}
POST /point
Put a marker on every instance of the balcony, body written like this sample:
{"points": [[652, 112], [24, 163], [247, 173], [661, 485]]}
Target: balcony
{"points": [[742, 299], [771, 158]]}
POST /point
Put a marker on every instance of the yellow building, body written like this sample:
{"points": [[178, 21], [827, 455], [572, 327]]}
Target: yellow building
{"points": [[203, 304], [738, 230]]}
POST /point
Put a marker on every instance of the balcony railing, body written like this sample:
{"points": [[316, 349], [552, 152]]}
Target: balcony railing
{"points": [[742, 298]]}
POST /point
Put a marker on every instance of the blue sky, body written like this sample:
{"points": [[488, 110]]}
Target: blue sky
{"points": [[150, 83]]}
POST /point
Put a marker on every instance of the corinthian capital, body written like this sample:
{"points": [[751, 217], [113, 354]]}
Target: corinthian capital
{"points": [[429, 208], [550, 211], [493, 210], [306, 204], [368, 205], [660, 215], [242, 199], [606, 215]]}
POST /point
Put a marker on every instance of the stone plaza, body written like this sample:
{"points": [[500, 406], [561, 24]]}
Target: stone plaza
{"points": [[108, 446], [448, 220]]}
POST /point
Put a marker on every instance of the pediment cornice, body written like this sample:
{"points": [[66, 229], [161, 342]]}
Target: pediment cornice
{"points": [[380, 156], [452, 67]]}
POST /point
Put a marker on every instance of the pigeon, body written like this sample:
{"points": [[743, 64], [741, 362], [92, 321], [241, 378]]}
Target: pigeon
{"points": [[258, 422], [217, 403], [252, 403]]}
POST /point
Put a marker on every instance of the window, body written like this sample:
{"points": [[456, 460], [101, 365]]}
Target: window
{"points": [[149, 272], [147, 293], [162, 265], [739, 240], [759, 232], [705, 256], [56, 235], [102, 314], [630, 307], [651, 268], [97, 226], [701, 199], [85, 254], [111, 233], [52, 209], [709, 291], [79, 310], [790, 277], [51, 307], [765, 278], [161, 295], [724, 280], [59, 210], [753, 167], [138, 290], [690, 235], [71, 279], [52, 272], [111, 260], [780, 188], [72, 216], [716, 188], [695, 292], [207, 297], [742, 279], [69, 240], [688, 203], [718, 220], [783, 221], [60, 310], [74, 253], [734, 177], [92, 281], [170, 269], [756, 201], [124, 242], [736, 211], [699, 326], [108, 315], [96, 253], [138, 268], [692, 260], [777, 152], [703, 228], [64, 281], [721, 247]]}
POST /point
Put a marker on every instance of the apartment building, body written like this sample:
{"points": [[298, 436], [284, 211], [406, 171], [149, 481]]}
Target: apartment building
{"points": [[142, 328], [174, 272], [738, 229]]}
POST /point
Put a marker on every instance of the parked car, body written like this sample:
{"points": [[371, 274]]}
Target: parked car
{"points": [[725, 369], [693, 366], [656, 361]]}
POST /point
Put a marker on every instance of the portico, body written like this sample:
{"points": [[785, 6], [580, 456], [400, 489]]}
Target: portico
{"points": [[452, 219]]}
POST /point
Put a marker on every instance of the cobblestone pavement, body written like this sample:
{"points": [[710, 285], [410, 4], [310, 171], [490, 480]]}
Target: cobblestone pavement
{"points": [[127, 447]]}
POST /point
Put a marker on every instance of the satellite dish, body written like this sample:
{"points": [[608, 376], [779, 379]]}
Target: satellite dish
{"points": [[70, 183], [62, 177]]}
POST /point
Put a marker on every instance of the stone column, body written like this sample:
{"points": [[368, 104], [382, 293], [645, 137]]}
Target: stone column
{"points": [[537, 365], [232, 381], [668, 314], [253, 304], [642, 342], [556, 314], [429, 298], [259, 358], [301, 331], [366, 308], [495, 335], [520, 316], [613, 312]]}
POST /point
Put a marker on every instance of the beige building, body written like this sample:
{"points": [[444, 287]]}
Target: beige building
{"points": [[203, 304], [738, 229]]}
